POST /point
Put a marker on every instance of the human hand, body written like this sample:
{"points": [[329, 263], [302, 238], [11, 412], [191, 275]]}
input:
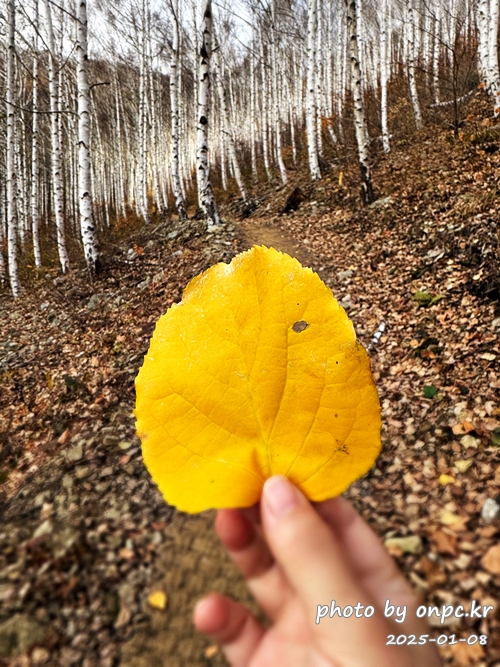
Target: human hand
{"points": [[299, 557]]}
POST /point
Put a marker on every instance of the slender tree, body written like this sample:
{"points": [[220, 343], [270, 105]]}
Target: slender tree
{"points": [[87, 227], [312, 145], [56, 156], [205, 193], [362, 136], [11, 169], [226, 124], [384, 75], [35, 166], [174, 111]]}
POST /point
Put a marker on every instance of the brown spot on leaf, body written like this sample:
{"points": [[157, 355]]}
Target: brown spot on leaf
{"points": [[300, 326]]}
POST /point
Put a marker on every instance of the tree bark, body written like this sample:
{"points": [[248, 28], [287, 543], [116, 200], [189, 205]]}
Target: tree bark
{"points": [[311, 111], [411, 66], [57, 182], [362, 137], [226, 124], [384, 76], [87, 228], [174, 109], [206, 195], [11, 173]]}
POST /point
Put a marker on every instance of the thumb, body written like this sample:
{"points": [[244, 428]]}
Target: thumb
{"points": [[317, 569]]}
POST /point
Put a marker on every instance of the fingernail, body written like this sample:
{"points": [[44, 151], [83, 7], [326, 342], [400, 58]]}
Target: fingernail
{"points": [[280, 495]]}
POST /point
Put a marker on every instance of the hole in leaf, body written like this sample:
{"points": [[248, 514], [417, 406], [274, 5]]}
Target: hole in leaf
{"points": [[300, 326]]}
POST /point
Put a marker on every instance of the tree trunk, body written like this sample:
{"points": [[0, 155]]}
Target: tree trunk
{"points": [[206, 195], [265, 107], [384, 75], [411, 66], [226, 124], [87, 227], [362, 137], [494, 83], [174, 109], [11, 173], [57, 182], [276, 106], [311, 112]]}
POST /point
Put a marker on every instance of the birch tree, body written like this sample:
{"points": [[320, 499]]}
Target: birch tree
{"points": [[411, 34], [312, 145], [174, 111], [56, 156], [384, 75], [226, 124], [87, 227], [494, 74], [35, 166], [11, 169], [205, 193], [360, 125]]}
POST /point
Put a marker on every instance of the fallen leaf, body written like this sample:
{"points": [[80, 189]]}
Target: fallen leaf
{"points": [[64, 437], [462, 465], [488, 356], [444, 480], [157, 600], [491, 559], [126, 554], [433, 573], [230, 394], [466, 655], [408, 545], [49, 380], [448, 518], [211, 651], [444, 543], [470, 441]]}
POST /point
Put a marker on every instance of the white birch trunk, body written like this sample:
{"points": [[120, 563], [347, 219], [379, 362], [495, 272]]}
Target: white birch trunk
{"points": [[174, 109], [265, 107], [384, 76], [483, 20], [226, 124], [206, 196], [411, 66], [253, 151], [121, 179], [493, 55], [435, 57], [311, 110], [57, 184], [11, 175], [319, 79], [276, 105], [143, 135], [362, 137], [87, 228]]}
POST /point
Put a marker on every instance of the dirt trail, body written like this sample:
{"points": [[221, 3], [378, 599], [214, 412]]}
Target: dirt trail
{"points": [[192, 561], [254, 232]]}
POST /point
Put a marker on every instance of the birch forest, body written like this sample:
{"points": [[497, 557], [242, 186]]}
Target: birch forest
{"points": [[144, 146], [147, 109]]}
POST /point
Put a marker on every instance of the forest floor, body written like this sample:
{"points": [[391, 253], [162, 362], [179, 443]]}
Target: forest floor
{"points": [[85, 536]]}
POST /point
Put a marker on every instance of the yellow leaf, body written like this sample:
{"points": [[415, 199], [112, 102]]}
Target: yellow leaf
{"points": [[462, 465], [157, 600], [448, 518], [256, 372], [49, 380], [446, 479], [341, 177]]}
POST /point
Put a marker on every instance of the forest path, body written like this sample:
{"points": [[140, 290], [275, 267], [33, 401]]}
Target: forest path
{"points": [[191, 562], [254, 231]]}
